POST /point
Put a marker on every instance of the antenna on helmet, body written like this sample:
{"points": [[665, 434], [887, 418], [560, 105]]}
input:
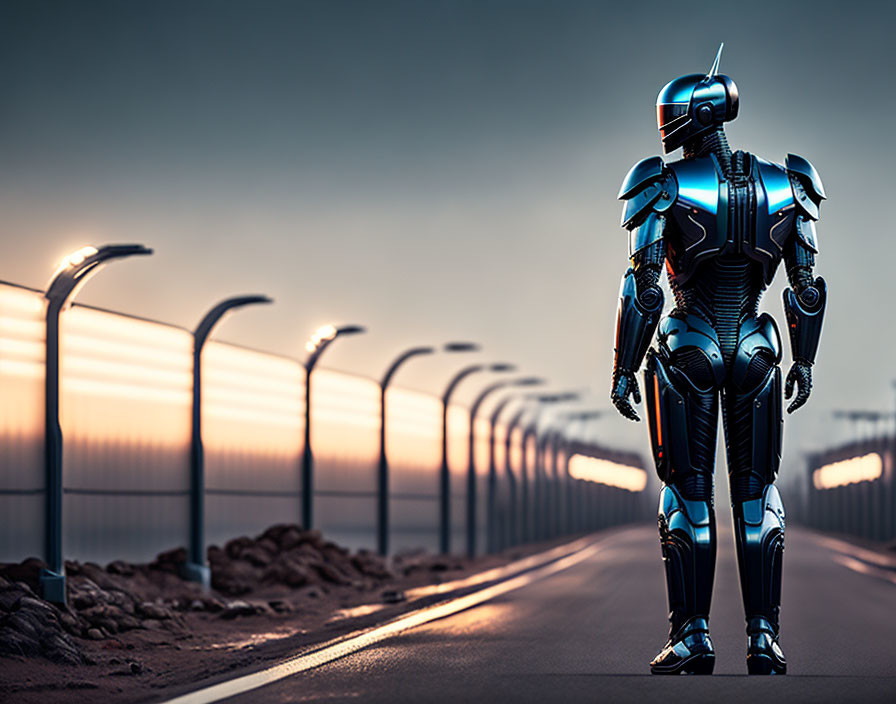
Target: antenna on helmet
{"points": [[715, 64]]}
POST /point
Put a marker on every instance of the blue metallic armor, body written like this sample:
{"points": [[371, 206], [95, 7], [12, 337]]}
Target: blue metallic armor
{"points": [[720, 223]]}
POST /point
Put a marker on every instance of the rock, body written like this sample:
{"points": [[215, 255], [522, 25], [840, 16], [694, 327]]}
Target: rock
{"points": [[136, 668], [393, 596], [256, 556], [13, 642], [331, 574], [290, 538], [334, 552], [60, 648], [107, 625], [121, 567], [169, 561], [122, 600], [85, 593], [235, 547], [269, 546], [95, 634], [150, 610], [236, 578], [71, 623], [308, 553], [97, 575], [26, 623], [371, 565], [197, 605], [27, 571], [10, 595], [126, 622], [310, 592], [237, 608], [213, 605], [280, 606], [216, 555]]}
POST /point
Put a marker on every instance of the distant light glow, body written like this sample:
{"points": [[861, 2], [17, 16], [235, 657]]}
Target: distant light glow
{"points": [[866, 468], [593, 469], [322, 334], [78, 256]]}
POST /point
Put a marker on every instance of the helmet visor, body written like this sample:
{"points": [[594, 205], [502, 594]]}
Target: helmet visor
{"points": [[670, 116]]}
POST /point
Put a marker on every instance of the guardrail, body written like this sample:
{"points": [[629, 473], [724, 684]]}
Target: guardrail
{"points": [[126, 389], [851, 490]]}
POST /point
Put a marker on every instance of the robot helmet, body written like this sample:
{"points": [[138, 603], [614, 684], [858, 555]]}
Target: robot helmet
{"points": [[695, 104]]}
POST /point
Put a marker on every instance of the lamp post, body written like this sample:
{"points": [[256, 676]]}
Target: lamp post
{"points": [[561, 436], [195, 569], [315, 347], [444, 474], [383, 473], [73, 273], [532, 431], [515, 533], [471, 455], [382, 539], [471, 460]]}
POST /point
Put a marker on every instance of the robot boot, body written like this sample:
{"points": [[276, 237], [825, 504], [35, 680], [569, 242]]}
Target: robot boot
{"points": [[759, 536], [687, 535]]}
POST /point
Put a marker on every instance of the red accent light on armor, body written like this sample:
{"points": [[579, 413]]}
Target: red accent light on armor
{"points": [[656, 405]]}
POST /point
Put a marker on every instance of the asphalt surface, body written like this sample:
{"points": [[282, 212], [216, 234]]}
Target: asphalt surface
{"points": [[587, 634]]}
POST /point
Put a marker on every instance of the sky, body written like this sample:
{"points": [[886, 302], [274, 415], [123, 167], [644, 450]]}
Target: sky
{"points": [[432, 170]]}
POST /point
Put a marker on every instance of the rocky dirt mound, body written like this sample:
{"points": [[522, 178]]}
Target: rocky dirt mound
{"points": [[280, 569]]}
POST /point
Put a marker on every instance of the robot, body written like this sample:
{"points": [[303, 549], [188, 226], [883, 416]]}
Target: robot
{"points": [[721, 222]]}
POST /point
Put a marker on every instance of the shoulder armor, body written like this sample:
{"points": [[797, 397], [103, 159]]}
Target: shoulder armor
{"points": [[640, 175], [648, 187], [807, 188]]}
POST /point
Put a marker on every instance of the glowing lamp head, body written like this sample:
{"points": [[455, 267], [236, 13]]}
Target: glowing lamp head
{"points": [[77, 257], [322, 334]]}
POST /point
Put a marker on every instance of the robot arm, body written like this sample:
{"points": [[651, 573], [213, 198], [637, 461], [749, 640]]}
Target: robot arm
{"points": [[805, 300], [637, 315], [648, 191]]}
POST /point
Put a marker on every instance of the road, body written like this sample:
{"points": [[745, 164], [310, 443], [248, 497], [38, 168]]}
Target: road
{"points": [[588, 632]]}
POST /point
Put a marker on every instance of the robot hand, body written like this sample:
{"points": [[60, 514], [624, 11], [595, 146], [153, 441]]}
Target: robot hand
{"points": [[625, 383], [800, 374]]}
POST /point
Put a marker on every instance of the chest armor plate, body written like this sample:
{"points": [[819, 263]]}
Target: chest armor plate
{"points": [[750, 215]]}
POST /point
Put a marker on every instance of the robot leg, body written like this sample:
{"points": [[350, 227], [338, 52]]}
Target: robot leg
{"points": [[753, 424], [683, 422]]}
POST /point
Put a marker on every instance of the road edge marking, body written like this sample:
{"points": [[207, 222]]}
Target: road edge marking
{"points": [[334, 650]]}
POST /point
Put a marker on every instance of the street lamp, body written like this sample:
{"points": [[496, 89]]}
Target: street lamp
{"points": [[531, 432], [471, 458], [315, 347], [382, 540], [383, 474], [493, 468], [73, 273], [444, 475], [195, 569], [515, 533], [560, 436]]}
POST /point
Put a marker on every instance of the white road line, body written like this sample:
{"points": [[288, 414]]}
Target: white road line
{"points": [[339, 648]]}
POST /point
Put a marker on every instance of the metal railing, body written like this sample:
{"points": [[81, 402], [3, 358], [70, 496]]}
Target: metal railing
{"points": [[851, 490], [126, 394]]}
